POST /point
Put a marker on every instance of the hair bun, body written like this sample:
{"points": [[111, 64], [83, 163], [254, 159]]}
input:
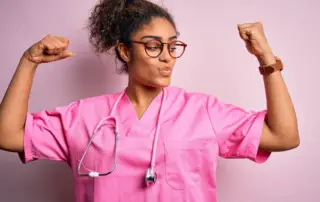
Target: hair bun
{"points": [[128, 2]]}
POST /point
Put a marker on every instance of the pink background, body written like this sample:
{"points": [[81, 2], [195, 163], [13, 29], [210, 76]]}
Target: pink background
{"points": [[216, 62]]}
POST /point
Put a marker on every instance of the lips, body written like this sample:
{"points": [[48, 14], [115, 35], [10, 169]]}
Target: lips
{"points": [[166, 71]]}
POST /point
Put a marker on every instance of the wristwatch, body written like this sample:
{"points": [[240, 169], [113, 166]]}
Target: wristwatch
{"points": [[268, 69]]}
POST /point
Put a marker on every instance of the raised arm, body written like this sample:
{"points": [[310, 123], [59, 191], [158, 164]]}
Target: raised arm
{"points": [[14, 106], [280, 130]]}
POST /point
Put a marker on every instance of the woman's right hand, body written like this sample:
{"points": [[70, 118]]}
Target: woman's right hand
{"points": [[49, 49]]}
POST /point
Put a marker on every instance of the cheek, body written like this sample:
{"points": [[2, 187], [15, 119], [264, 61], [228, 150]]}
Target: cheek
{"points": [[144, 65], [148, 68], [139, 58], [173, 62]]}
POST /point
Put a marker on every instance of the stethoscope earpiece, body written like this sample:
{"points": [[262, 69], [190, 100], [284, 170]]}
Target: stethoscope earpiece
{"points": [[151, 177]]}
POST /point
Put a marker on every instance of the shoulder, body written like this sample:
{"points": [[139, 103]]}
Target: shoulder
{"points": [[183, 106], [182, 101], [104, 101], [97, 106], [100, 104], [178, 95]]}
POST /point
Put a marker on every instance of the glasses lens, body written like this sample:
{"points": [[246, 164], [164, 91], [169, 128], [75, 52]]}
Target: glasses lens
{"points": [[153, 48], [176, 49]]}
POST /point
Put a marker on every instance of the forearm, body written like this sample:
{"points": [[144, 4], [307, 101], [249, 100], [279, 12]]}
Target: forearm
{"points": [[281, 116], [14, 106]]}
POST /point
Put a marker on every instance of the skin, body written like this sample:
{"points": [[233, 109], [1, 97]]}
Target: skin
{"points": [[14, 106], [146, 80], [145, 73], [280, 130]]}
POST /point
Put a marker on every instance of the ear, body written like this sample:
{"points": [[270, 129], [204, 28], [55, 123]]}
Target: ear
{"points": [[124, 52]]}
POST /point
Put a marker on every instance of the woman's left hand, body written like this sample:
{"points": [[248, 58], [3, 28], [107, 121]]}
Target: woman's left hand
{"points": [[256, 41]]}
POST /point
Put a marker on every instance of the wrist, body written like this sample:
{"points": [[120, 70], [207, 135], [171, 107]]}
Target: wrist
{"points": [[25, 62], [266, 59]]}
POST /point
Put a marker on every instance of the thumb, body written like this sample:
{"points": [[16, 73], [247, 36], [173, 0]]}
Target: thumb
{"points": [[66, 54], [63, 55], [244, 35]]}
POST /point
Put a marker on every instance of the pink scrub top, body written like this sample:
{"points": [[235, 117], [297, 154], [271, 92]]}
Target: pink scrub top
{"points": [[195, 130]]}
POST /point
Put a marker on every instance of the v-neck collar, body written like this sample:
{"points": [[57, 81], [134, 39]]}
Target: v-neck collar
{"points": [[152, 109], [128, 118]]}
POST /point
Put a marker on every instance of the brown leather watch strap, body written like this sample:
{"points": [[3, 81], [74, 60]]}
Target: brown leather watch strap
{"points": [[268, 69]]}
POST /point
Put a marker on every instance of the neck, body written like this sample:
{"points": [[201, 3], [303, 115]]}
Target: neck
{"points": [[141, 95]]}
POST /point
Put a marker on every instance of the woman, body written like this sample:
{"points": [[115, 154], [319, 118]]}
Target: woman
{"points": [[150, 142]]}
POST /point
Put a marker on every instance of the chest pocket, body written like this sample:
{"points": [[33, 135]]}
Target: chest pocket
{"points": [[185, 151]]}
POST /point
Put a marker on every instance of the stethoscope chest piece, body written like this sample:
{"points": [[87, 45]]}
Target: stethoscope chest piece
{"points": [[151, 177]]}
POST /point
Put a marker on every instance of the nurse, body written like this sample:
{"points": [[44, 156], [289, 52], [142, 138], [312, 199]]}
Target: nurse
{"points": [[152, 141]]}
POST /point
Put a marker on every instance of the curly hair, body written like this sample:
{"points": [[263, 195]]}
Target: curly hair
{"points": [[114, 21]]}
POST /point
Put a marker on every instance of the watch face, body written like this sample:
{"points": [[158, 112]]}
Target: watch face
{"points": [[266, 70]]}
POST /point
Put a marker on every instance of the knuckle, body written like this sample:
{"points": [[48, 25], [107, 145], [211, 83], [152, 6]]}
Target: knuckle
{"points": [[48, 36], [61, 47], [50, 46], [65, 41]]}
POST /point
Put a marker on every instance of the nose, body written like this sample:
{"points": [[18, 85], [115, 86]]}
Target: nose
{"points": [[165, 55]]}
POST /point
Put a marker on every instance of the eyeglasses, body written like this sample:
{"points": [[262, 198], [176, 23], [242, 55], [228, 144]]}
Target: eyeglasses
{"points": [[154, 48]]}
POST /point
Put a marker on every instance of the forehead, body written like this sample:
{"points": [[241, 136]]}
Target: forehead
{"points": [[159, 27]]}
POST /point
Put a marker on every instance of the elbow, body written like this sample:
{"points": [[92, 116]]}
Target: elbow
{"points": [[11, 141], [291, 141], [295, 142]]}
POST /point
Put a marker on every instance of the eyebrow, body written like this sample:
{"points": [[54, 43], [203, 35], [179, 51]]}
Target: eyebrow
{"points": [[158, 37]]}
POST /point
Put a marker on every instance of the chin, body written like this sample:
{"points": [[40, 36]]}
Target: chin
{"points": [[161, 83]]}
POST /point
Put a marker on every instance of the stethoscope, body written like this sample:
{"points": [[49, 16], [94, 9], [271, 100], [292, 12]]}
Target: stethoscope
{"points": [[150, 176]]}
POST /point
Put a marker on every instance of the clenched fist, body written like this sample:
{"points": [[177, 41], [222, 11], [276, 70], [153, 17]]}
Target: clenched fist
{"points": [[50, 48], [255, 39]]}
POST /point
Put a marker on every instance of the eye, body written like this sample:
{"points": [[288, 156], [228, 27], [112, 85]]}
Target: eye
{"points": [[176, 48], [172, 48], [174, 45], [153, 45]]}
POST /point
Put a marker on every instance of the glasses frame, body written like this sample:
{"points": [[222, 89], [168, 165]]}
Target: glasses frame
{"points": [[184, 45]]}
